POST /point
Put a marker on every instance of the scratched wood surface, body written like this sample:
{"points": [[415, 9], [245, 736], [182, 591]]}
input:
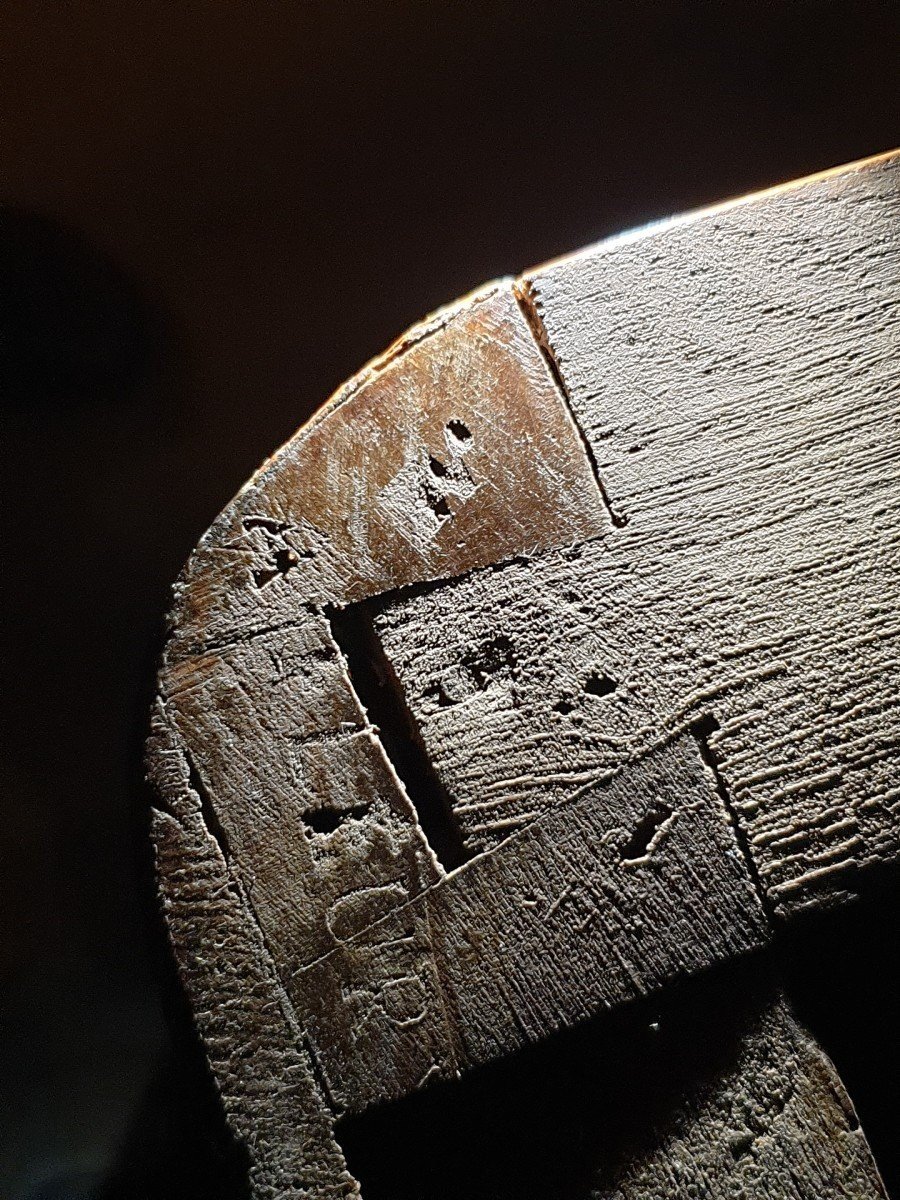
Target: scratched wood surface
{"points": [[771, 1120], [552, 663], [736, 377], [635, 884], [710, 1090]]}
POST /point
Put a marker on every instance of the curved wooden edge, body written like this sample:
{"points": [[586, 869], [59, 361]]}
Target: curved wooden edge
{"points": [[291, 854]]}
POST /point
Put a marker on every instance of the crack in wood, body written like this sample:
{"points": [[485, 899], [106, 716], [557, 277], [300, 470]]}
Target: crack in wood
{"points": [[525, 296], [703, 730]]}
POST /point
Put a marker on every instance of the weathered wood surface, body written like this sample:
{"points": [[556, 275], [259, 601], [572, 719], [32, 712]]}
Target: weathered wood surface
{"points": [[736, 376], [771, 1121], [263, 1070], [711, 1090], [640, 666], [631, 886]]}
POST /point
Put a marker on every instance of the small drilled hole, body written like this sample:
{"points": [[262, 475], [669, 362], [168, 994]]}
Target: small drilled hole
{"points": [[599, 684], [458, 430]]}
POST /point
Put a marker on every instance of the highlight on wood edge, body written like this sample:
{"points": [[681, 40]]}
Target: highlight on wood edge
{"points": [[538, 533]]}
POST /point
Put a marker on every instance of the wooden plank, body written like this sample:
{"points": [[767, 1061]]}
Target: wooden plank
{"points": [[771, 1120], [300, 788], [632, 886], [712, 1090], [652, 677], [736, 378], [453, 451]]}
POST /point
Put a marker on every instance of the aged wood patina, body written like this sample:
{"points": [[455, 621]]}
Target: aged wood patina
{"points": [[554, 662]]}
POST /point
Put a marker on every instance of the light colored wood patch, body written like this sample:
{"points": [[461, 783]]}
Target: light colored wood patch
{"points": [[455, 452]]}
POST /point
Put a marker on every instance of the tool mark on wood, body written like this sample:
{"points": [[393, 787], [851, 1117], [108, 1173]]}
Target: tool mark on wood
{"points": [[647, 834], [207, 811], [703, 730], [281, 555], [525, 297]]}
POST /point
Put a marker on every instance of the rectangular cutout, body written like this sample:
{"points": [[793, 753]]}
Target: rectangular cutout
{"points": [[381, 695]]}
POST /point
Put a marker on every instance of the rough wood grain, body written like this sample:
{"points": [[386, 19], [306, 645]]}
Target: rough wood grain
{"points": [[633, 885], [711, 1090], [771, 1121], [645, 682], [736, 376], [453, 451], [263, 1070]]}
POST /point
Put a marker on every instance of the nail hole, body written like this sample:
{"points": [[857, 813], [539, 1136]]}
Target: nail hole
{"points": [[441, 508], [741, 1145], [458, 430], [492, 658], [436, 502], [327, 820], [267, 523], [438, 693], [599, 684]]}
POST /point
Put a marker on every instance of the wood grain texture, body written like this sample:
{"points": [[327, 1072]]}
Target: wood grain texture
{"points": [[771, 1121], [453, 451], [710, 1090], [256, 1051], [614, 550], [427, 464], [736, 376], [631, 886]]}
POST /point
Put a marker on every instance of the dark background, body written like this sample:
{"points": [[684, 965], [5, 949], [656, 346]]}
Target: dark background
{"points": [[213, 213]]}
